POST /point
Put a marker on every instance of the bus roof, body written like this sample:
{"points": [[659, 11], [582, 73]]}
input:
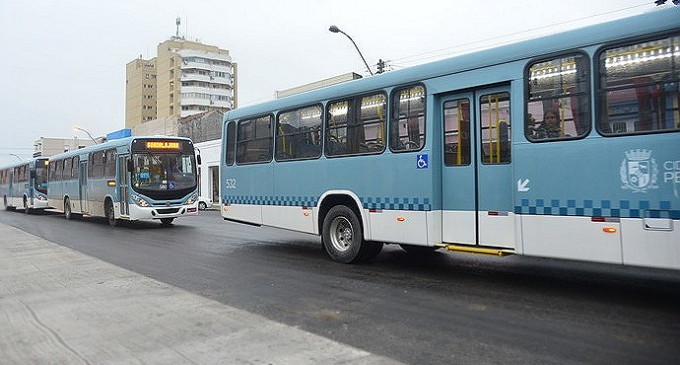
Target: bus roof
{"points": [[108, 144], [656, 21]]}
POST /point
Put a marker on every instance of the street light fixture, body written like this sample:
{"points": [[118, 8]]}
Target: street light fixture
{"points": [[83, 130], [335, 29], [17, 156]]}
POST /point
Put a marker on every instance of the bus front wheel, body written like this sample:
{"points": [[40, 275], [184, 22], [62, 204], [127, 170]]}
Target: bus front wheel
{"points": [[27, 210], [167, 221], [111, 214], [342, 237]]}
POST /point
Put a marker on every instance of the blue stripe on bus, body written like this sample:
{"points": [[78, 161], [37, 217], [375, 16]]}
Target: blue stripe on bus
{"points": [[599, 208], [570, 207], [404, 203]]}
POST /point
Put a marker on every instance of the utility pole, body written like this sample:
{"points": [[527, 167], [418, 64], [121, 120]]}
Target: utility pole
{"points": [[381, 66]]}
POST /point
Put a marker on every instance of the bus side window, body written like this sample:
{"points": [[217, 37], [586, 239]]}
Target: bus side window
{"points": [[640, 96], [254, 140], [558, 104], [407, 122], [230, 143]]}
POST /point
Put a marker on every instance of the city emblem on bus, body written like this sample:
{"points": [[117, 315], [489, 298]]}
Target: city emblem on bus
{"points": [[639, 171]]}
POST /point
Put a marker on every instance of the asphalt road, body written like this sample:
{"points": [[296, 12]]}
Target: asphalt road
{"points": [[442, 308]]}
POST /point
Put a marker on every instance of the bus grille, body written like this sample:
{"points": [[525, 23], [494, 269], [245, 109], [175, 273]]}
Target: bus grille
{"points": [[167, 210]]}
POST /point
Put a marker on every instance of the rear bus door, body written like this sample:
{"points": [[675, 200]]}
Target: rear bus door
{"points": [[477, 173], [82, 186]]}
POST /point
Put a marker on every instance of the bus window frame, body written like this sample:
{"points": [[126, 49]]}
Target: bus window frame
{"points": [[321, 131], [599, 92], [390, 111], [354, 97], [230, 142], [589, 93], [271, 139]]}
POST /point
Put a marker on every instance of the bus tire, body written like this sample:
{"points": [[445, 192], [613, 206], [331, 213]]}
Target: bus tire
{"points": [[342, 236], [27, 210], [67, 209], [167, 221], [110, 214]]}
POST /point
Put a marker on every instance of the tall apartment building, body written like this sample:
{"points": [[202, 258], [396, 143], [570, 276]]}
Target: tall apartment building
{"points": [[140, 91], [185, 78]]}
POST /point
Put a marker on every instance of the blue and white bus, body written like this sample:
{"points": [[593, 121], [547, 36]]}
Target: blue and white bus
{"points": [[129, 179], [24, 185], [457, 154]]}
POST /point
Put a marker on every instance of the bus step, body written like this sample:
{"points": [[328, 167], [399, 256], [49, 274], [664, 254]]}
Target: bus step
{"points": [[480, 250]]}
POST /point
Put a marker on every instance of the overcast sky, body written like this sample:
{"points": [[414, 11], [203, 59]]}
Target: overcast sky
{"points": [[63, 62]]}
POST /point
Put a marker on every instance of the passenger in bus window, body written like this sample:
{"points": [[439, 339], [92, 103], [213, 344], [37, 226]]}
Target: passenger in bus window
{"points": [[550, 127]]}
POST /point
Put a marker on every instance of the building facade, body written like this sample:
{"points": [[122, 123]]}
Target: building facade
{"points": [[140, 91], [46, 147], [185, 78]]}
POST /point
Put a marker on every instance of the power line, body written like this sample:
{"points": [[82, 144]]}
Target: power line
{"points": [[447, 50]]}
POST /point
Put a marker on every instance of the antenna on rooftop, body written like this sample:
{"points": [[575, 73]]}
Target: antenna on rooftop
{"points": [[178, 21]]}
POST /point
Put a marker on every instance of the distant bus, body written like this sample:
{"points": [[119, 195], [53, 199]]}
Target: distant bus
{"points": [[455, 154], [131, 179], [24, 185]]}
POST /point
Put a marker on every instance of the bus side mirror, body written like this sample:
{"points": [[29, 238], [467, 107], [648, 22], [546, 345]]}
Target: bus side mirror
{"points": [[198, 159], [130, 167], [32, 174]]}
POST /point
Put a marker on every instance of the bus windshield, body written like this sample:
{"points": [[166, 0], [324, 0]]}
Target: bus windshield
{"points": [[163, 175], [41, 176]]}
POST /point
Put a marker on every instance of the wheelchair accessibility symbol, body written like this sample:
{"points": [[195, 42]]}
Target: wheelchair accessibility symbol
{"points": [[421, 161]]}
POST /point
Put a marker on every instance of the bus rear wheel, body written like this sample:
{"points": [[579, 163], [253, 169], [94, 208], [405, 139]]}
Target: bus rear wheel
{"points": [[111, 214], [67, 209], [342, 237]]}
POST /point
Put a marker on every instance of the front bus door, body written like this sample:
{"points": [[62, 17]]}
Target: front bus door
{"points": [[476, 176], [123, 184]]}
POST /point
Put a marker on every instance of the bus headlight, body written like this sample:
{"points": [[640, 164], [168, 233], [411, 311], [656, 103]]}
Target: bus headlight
{"points": [[139, 201], [42, 197], [192, 199]]}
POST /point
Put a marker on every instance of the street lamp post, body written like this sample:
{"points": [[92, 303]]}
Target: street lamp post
{"points": [[17, 156], [88, 133], [335, 29]]}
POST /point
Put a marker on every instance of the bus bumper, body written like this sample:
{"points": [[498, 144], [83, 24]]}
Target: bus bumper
{"points": [[39, 204], [138, 213]]}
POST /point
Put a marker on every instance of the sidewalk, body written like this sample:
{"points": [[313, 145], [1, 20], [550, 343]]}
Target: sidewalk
{"points": [[59, 306]]}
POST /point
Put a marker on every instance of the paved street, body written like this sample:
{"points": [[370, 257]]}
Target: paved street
{"points": [[442, 308]]}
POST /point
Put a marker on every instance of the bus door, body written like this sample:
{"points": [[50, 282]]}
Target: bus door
{"points": [[123, 184], [82, 187], [477, 175]]}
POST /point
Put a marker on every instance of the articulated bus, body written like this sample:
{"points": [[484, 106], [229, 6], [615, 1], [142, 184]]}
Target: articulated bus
{"points": [[24, 185], [129, 179], [565, 146]]}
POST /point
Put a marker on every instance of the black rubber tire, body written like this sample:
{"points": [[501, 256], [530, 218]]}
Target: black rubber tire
{"points": [[68, 214], [27, 210], [342, 237], [110, 214], [167, 221], [202, 206]]}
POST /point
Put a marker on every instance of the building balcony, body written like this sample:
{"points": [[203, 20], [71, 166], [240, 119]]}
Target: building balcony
{"points": [[195, 77]]}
